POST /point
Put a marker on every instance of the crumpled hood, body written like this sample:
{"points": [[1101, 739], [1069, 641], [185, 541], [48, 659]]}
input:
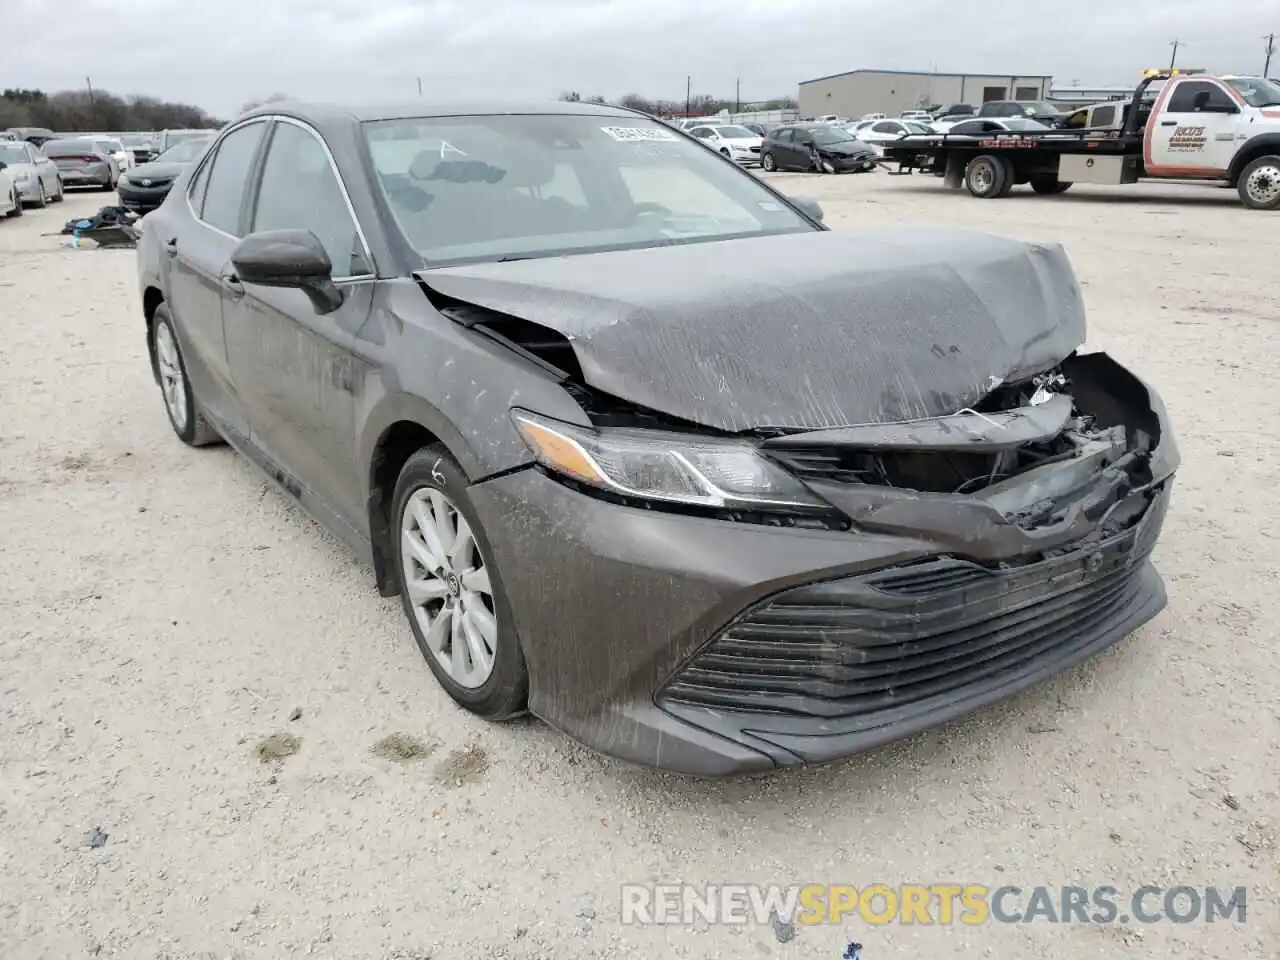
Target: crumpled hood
{"points": [[846, 148], [799, 331]]}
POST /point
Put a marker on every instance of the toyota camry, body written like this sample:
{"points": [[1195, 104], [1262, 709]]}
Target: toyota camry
{"points": [[643, 447]]}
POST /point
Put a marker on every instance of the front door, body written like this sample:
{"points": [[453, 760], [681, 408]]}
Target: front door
{"points": [[1195, 132], [195, 263], [293, 366]]}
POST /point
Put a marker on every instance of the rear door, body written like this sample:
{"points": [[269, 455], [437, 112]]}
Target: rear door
{"points": [[292, 366], [1192, 130], [198, 232], [784, 147]]}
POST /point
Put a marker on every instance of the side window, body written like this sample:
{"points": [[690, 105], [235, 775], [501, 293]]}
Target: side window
{"points": [[702, 133], [198, 184], [1193, 96], [1104, 116], [228, 174], [300, 191], [784, 136], [968, 127]]}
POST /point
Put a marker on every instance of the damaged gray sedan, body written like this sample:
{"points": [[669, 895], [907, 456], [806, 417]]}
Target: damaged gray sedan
{"points": [[642, 446]]}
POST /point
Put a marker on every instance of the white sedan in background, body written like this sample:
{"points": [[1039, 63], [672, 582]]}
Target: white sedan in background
{"points": [[122, 157], [735, 142], [879, 132]]}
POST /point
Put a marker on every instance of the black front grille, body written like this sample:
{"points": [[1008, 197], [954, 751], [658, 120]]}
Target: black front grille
{"points": [[884, 640]]}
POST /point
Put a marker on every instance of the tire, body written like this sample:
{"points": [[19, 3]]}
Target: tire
{"points": [[724, 153], [987, 177], [767, 163], [433, 488], [17, 210], [57, 197], [42, 201], [186, 418], [1259, 183], [1049, 185], [109, 185]]}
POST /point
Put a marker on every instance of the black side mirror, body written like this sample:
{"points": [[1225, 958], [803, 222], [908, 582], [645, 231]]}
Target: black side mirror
{"points": [[811, 208], [288, 258]]}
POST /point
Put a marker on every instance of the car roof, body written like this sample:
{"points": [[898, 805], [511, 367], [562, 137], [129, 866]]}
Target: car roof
{"points": [[324, 113]]}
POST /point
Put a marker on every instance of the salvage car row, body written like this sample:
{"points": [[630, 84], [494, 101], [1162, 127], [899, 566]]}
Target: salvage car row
{"points": [[541, 365]]}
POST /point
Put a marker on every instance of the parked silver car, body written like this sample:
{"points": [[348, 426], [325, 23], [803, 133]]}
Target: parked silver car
{"points": [[83, 163], [34, 175]]}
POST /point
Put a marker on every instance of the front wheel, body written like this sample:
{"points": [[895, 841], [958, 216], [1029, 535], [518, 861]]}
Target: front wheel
{"points": [[767, 163], [42, 200], [16, 197], [57, 197], [171, 371], [988, 177], [1049, 185], [1259, 184], [451, 591]]}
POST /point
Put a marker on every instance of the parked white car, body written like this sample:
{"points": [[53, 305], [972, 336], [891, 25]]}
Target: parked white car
{"points": [[10, 201], [884, 130], [34, 174], [735, 142], [122, 157], [867, 117], [916, 115]]}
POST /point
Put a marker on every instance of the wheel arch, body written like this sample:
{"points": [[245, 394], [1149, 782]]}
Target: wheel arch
{"points": [[399, 426], [152, 297], [1254, 147]]}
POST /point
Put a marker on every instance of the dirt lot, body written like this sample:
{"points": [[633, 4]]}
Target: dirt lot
{"points": [[197, 684]]}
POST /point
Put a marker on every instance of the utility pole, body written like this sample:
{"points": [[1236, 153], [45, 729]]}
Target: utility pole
{"points": [[737, 96], [1175, 44], [419, 86], [89, 83], [1271, 48], [688, 95]]}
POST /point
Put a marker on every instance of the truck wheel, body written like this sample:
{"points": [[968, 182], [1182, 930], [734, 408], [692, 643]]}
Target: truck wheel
{"points": [[1259, 184], [1049, 184], [987, 177]]}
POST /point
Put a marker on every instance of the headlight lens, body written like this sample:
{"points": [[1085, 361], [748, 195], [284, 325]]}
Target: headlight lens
{"points": [[670, 467]]}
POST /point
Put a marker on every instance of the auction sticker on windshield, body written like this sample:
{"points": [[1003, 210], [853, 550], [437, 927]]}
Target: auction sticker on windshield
{"points": [[640, 133]]}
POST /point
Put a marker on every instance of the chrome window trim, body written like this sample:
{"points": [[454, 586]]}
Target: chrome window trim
{"points": [[333, 168], [210, 157]]}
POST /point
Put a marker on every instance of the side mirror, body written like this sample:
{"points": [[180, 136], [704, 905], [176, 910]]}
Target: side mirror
{"points": [[811, 208], [3, 165], [288, 259]]}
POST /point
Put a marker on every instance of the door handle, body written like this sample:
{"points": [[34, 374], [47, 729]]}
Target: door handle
{"points": [[1168, 123], [233, 286], [171, 246]]}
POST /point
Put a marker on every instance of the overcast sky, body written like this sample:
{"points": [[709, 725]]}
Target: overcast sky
{"points": [[220, 54]]}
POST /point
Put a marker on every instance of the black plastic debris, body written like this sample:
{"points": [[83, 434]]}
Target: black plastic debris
{"points": [[95, 838]]}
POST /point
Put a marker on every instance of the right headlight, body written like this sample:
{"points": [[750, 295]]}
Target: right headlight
{"points": [[664, 466]]}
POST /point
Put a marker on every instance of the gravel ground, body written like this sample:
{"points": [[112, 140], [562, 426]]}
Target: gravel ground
{"points": [[216, 740]]}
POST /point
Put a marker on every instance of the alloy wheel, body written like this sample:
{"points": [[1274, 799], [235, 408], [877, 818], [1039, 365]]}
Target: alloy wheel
{"points": [[448, 588], [172, 381]]}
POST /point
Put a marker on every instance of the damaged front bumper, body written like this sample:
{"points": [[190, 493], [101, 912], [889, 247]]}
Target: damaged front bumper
{"points": [[711, 647]]}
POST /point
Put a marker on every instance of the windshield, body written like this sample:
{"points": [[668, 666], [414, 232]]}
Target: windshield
{"points": [[12, 153], [189, 149], [830, 135], [1023, 123], [136, 140], [735, 133], [915, 127], [1035, 106], [511, 187], [1256, 91]]}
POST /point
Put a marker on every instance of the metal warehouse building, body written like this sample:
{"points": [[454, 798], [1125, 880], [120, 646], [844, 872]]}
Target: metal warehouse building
{"points": [[860, 92]]}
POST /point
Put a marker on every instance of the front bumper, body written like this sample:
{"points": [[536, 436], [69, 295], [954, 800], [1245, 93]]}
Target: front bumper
{"points": [[144, 199], [712, 647], [859, 164]]}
